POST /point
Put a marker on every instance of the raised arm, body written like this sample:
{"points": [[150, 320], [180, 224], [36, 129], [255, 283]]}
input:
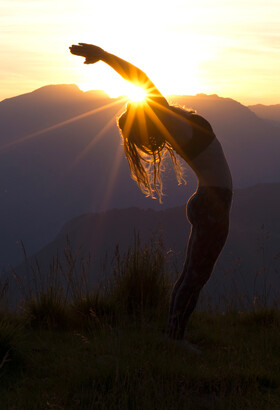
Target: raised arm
{"points": [[127, 70]]}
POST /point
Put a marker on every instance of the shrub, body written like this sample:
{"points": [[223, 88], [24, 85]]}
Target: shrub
{"points": [[10, 359], [140, 282], [93, 310], [46, 310]]}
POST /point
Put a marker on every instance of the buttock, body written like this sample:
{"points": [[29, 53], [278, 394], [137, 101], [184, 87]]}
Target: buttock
{"points": [[209, 205]]}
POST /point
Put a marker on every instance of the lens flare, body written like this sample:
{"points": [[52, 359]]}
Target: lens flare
{"points": [[135, 93]]}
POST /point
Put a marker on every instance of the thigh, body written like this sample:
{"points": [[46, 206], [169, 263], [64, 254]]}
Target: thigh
{"points": [[190, 212], [208, 236]]}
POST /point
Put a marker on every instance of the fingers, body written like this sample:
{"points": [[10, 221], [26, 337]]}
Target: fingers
{"points": [[77, 50], [82, 49], [90, 52], [88, 46]]}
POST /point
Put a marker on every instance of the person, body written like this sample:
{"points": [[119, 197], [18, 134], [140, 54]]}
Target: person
{"points": [[150, 130]]}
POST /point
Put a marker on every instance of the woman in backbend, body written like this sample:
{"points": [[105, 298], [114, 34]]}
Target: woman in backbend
{"points": [[151, 129]]}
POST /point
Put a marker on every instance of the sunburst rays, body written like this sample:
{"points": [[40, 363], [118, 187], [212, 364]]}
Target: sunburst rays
{"points": [[109, 124], [61, 124], [148, 107], [112, 178]]}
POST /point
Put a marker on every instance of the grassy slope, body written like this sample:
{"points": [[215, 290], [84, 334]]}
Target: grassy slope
{"points": [[72, 348], [133, 367]]}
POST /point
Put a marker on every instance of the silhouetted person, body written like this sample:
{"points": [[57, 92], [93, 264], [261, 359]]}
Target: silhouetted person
{"points": [[151, 129]]}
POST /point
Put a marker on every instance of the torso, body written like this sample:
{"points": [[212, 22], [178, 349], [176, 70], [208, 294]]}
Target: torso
{"points": [[211, 167], [199, 147]]}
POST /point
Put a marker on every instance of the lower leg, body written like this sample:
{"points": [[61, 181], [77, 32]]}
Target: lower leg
{"points": [[184, 305], [183, 275]]}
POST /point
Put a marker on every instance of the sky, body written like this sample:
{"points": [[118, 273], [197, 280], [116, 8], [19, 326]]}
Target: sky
{"points": [[225, 47]]}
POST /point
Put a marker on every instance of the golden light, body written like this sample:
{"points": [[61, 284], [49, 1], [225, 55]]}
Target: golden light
{"points": [[115, 86], [135, 93]]}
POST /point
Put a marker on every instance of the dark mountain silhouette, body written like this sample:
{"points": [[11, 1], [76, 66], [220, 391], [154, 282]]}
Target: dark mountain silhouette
{"points": [[48, 174], [248, 262]]}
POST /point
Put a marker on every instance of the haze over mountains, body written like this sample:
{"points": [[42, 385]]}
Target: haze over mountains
{"points": [[268, 112], [50, 177]]}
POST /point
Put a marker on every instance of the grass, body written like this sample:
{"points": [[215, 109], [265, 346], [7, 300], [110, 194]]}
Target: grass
{"points": [[133, 367], [74, 347]]}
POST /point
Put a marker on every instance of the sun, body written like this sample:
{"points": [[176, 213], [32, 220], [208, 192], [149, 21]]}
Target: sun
{"points": [[135, 93], [116, 87]]}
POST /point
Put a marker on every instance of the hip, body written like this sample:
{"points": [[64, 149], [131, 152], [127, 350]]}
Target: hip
{"points": [[210, 204]]}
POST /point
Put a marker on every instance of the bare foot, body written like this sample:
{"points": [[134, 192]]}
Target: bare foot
{"points": [[182, 344]]}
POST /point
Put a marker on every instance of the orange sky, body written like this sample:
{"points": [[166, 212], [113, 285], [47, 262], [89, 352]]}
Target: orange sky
{"points": [[230, 48]]}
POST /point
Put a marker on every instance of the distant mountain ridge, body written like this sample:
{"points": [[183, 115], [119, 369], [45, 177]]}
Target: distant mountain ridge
{"points": [[61, 156], [270, 112]]}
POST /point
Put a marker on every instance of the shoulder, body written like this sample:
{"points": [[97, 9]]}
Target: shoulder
{"points": [[200, 121]]}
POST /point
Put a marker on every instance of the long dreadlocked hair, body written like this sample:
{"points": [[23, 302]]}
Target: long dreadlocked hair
{"points": [[145, 149]]}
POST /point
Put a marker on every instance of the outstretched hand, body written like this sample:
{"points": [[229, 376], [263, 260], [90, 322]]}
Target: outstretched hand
{"points": [[91, 53]]}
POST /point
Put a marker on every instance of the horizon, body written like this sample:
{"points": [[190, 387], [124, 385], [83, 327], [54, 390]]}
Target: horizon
{"points": [[191, 49], [122, 95]]}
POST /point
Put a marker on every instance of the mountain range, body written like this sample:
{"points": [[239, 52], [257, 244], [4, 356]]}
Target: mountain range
{"points": [[267, 112], [61, 157]]}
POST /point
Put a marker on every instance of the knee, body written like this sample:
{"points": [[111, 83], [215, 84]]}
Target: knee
{"points": [[196, 278]]}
